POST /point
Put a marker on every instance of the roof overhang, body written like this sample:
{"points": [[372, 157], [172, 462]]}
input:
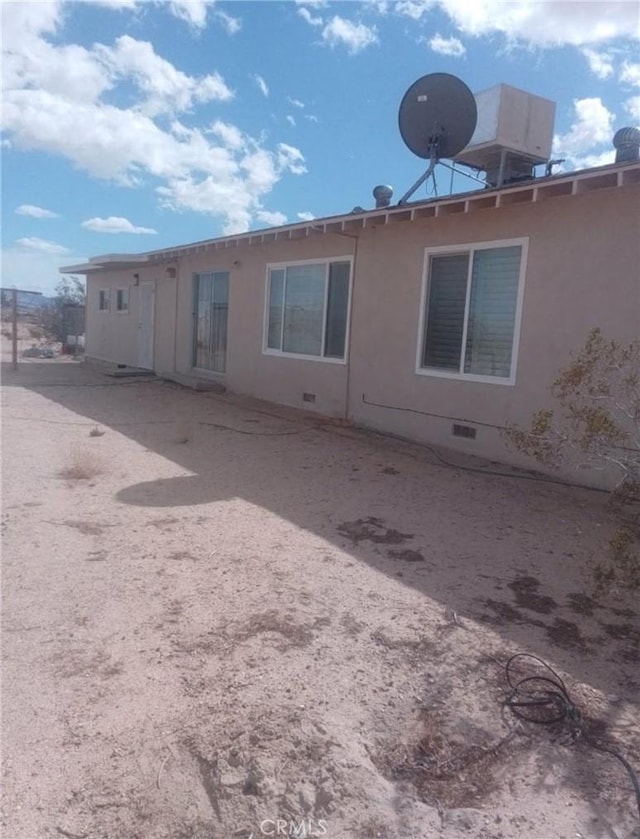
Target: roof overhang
{"points": [[532, 191], [109, 260]]}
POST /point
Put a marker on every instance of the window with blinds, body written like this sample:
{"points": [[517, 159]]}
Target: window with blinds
{"points": [[471, 310], [307, 308]]}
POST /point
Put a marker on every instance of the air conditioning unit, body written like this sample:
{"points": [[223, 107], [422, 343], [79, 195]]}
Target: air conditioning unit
{"points": [[513, 134]]}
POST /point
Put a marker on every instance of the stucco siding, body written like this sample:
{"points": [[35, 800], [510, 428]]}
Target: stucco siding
{"points": [[111, 335], [249, 370], [582, 270], [165, 323]]}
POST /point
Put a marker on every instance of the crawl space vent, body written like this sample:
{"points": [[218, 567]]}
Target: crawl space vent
{"points": [[467, 431]]}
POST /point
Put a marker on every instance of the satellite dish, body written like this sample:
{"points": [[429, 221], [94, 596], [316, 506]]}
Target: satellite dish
{"points": [[439, 110], [437, 118]]}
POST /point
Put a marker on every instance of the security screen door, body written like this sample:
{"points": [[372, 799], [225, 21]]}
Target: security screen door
{"points": [[211, 303]]}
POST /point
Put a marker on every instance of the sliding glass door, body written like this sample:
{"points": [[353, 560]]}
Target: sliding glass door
{"points": [[211, 303]]}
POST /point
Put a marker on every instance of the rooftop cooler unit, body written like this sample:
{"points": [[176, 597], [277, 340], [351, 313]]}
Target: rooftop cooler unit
{"points": [[513, 134]]}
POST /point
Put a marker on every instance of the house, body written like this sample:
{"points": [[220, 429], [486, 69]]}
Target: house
{"points": [[438, 321]]}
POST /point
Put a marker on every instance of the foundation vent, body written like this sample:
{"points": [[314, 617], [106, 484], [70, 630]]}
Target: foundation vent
{"points": [[467, 431], [308, 397]]}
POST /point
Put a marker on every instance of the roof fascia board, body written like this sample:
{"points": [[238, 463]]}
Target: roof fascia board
{"points": [[434, 207]]}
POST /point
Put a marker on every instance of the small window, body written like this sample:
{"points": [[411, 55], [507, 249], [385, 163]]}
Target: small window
{"points": [[307, 309], [471, 312], [103, 300], [122, 300]]}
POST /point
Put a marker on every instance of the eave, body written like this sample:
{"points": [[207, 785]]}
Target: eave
{"points": [[535, 191]]}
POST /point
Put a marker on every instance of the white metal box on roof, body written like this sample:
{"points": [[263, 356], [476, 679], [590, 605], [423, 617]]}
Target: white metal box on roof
{"points": [[511, 122]]}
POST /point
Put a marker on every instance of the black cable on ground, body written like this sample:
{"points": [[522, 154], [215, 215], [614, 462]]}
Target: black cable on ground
{"points": [[544, 700], [481, 470]]}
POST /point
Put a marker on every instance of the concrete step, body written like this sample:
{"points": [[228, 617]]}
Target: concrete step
{"points": [[194, 382]]}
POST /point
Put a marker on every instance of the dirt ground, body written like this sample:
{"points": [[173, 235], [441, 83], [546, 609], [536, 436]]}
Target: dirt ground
{"points": [[222, 618]]}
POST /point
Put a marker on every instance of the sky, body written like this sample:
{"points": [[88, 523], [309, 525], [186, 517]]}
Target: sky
{"points": [[129, 126]]}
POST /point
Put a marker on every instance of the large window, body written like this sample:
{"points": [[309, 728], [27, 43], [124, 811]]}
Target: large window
{"points": [[307, 309], [211, 304], [470, 317]]}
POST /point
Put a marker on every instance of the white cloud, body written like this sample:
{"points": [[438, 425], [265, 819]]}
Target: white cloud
{"points": [[29, 61], [290, 120], [588, 161], [447, 46], [35, 212], [312, 20], [291, 158], [311, 117], [414, 9], [632, 107], [600, 63], [166, 89], [33, 243], [236, 191], [231, 24], [630, 73], [114, 224], [273, 219], [34, 269], [229, 135], [295, 102], [538, 22], [261, 84], [55, 101], [193, 12], [114, 4], [355, 36], [592, 127], [380, 6], [27, 21], [305, 216]]}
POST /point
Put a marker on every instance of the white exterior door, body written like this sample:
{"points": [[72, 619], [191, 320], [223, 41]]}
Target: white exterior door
{"points": [[145, 326]]}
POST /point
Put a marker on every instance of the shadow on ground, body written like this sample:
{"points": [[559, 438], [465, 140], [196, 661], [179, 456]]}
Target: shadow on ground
{"points": [[510, 553]]}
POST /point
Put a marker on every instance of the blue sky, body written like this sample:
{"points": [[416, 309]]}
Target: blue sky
{"points": [[129, 126]]}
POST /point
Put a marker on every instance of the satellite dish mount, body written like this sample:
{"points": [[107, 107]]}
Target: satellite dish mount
{"points": [[433, 159], [437, 118]]}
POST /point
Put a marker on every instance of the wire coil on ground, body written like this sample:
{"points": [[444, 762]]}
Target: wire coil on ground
{"points": [[544, 700]]}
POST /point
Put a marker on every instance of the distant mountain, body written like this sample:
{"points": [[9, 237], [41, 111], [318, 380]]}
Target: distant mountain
{"points": [[27, 303]]}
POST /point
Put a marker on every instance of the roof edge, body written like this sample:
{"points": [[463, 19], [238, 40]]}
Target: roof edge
{"points": [[561, 184]]}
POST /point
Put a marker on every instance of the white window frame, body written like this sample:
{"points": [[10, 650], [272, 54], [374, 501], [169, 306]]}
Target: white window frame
{"points": [[128, 293], [323, 260], [470, 248], [107, 296]]}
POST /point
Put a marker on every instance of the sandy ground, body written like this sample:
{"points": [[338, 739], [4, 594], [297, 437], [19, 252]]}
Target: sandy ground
{"points": [[222, 618]]}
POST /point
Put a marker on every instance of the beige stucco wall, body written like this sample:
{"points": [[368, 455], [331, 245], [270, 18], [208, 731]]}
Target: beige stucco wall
{"points": [[582, 271], [249, 371], [113, 336], [110, 335], [164, 349]]}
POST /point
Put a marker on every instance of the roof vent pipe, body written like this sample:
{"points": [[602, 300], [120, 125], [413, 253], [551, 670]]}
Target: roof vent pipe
{"points": [[626, 142], [382, 194]]}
